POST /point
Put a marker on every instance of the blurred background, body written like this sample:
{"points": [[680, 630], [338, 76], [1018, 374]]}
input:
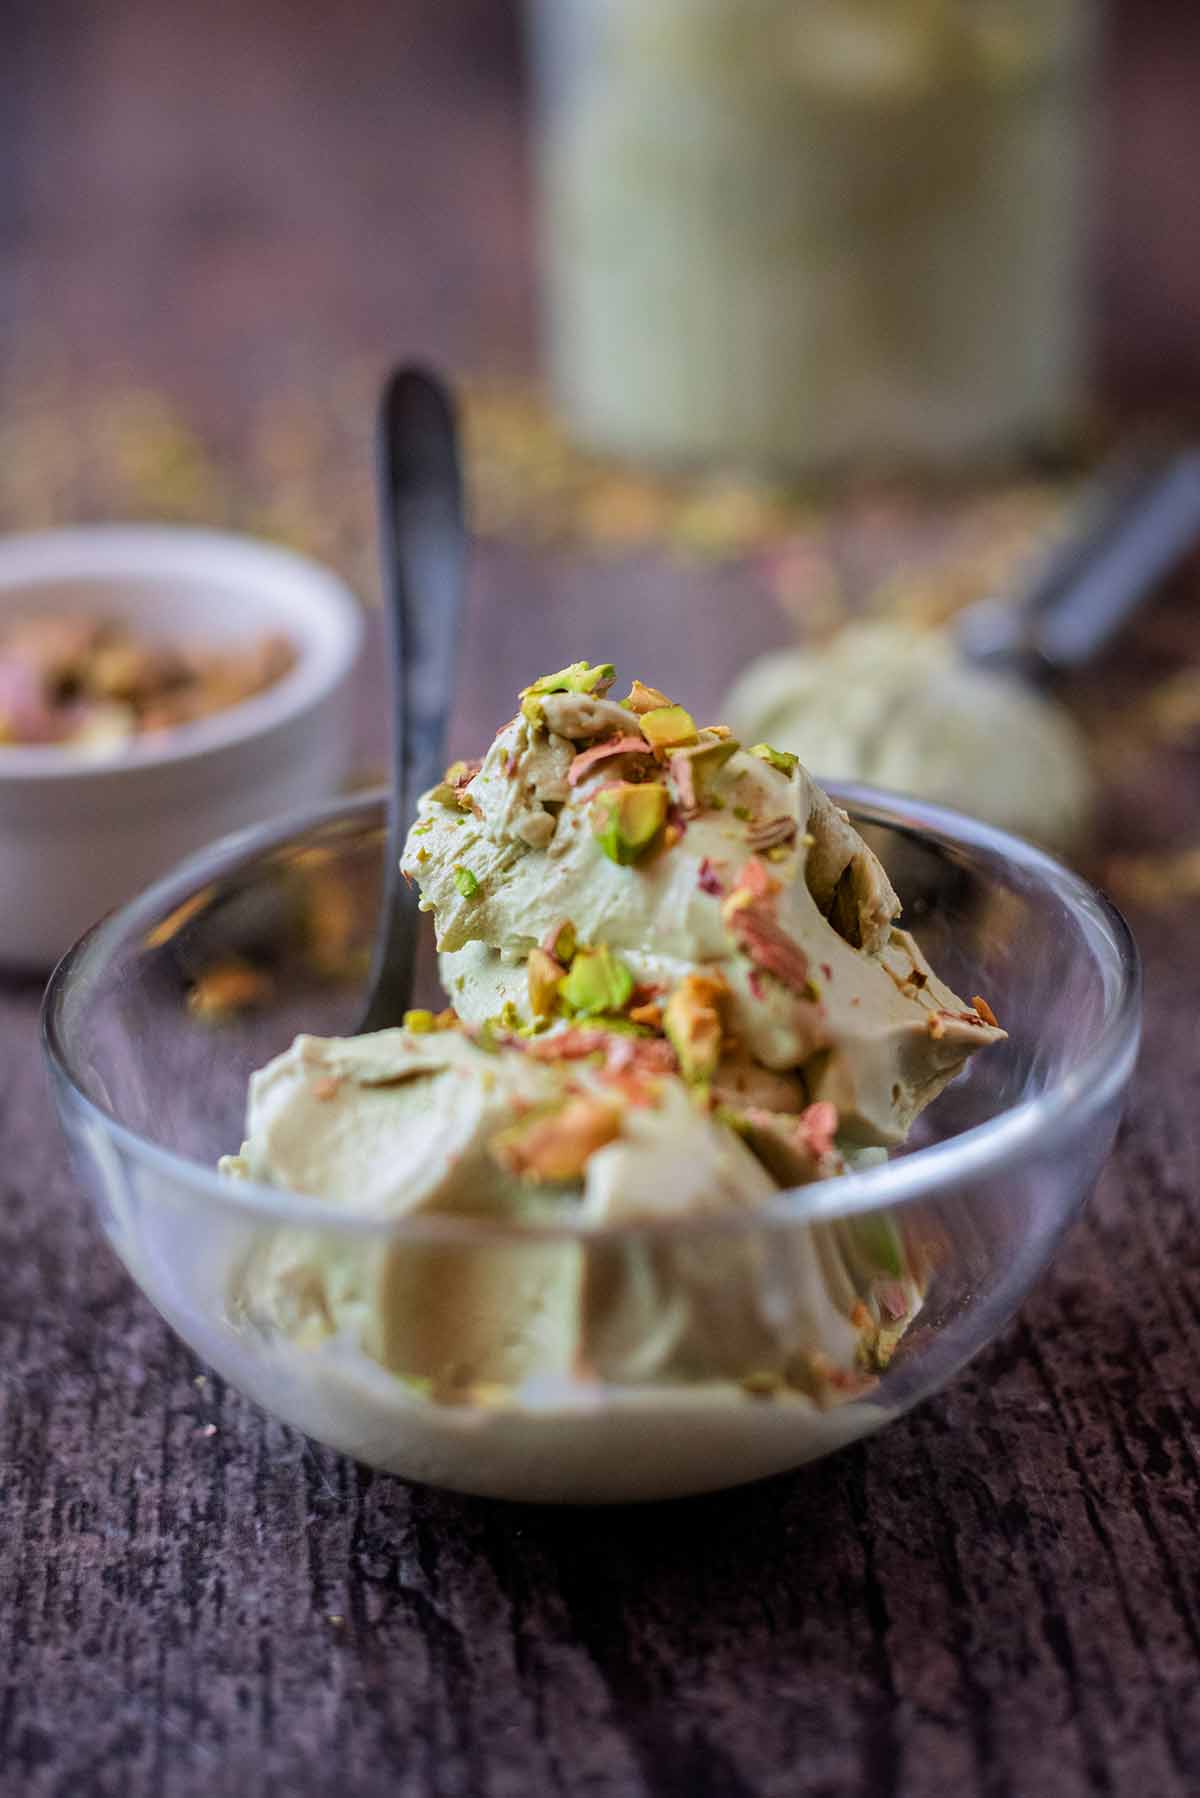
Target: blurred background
{"points": [[768, 314]]}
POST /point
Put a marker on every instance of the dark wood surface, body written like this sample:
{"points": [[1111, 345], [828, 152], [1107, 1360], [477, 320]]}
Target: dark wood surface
{"points": [[998, 1598]]}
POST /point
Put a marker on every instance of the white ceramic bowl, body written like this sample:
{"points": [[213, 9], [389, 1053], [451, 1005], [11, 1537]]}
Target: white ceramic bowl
{"points": [[79, 836]]}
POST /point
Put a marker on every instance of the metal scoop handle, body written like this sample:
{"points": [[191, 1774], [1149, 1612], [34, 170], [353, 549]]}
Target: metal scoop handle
{"points": [[1140, 519]]}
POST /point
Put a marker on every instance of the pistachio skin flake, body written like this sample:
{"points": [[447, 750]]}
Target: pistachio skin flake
{"points": [[782, 759], [627, 818], [598, 982], [669, 727], [466, 882]]}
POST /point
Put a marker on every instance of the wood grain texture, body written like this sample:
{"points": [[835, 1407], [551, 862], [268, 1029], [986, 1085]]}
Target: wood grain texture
{"points": [[998, 1598]]}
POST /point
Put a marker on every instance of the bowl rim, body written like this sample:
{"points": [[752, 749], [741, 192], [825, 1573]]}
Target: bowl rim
{"points": [[1008, 1140], [233, 558]]}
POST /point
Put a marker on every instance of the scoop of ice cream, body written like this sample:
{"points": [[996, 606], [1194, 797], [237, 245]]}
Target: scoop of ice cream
{"points": [[896, 706], [616, 861], [431, 1122]]}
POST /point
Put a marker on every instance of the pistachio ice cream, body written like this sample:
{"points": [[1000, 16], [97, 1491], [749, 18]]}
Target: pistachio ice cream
{"points": [[897, 706], [678, 992]]}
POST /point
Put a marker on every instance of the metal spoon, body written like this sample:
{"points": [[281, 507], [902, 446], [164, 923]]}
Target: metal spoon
{"points": [[1138, 520], [424, 547]]}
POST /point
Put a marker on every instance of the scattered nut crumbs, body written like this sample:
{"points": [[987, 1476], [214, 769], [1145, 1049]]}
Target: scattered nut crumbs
{"points": [[466, 882], [985, 1011]]}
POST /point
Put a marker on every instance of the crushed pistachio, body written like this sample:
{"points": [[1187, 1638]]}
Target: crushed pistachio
{"points": [[598, 981], [742, 813], [782, 759], [451, 789], [641, 698], [466, 882], [557, 1146], [580, 677], [878, 1239], [420, 1021], [692, 772], [543, 973], [669, 727], [560, 942], [692, 1022], [626, 818]]}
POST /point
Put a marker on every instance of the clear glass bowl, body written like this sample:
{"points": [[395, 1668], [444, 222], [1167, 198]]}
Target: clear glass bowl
{"points": [[276, 924]]}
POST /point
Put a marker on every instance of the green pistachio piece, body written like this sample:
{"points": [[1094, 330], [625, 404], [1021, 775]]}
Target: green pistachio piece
{"points": [[703, 763], [542, 974], [627, 818], [878, 1240], [420, 1022], [598, 982], [778, 758], [580, 677], [466, 882], [668, 727], [692, 1022], [561, 942], [641, 698]]}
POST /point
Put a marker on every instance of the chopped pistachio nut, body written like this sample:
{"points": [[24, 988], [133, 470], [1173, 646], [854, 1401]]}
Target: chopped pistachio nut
{"points": [[742, 813], [598, 982], [560, 942], [692, 1022], [466, 882], [878, 1239], [626, 819], [543, 973], [669, 727], [557, 1145], [641, 699], [580, 677], [778, 758], [704, 762], [422, 1022], [451, 789]]}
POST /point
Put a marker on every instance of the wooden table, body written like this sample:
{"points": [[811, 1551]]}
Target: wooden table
{"points": [[1000, 1597]]}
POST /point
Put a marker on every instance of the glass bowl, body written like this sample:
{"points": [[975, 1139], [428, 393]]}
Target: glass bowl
{"points": [[154, 1021]]}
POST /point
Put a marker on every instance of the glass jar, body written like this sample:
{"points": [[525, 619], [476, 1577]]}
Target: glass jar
{"points": [[796, 233]]}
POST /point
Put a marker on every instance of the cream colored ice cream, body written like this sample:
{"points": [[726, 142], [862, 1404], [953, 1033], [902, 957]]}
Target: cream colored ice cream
{"points": [[896, 706], [745, 874], [679, 993], [405, 1123]]}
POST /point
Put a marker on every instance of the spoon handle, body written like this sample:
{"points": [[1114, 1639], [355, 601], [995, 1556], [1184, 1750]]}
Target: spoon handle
{"points": [[423, 541], [1141, 518]]}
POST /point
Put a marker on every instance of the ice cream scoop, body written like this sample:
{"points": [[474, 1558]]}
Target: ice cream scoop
{"points": [[614, 862], [428, 1121], [967, 716]]}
